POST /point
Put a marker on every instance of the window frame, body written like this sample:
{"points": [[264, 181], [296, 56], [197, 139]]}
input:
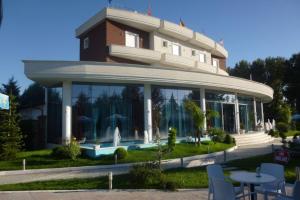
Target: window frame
{"points": [[179, 49], [136, 39], [204, 57], [86, 43]]}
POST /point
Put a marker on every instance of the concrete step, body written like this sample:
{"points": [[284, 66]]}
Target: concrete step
{"points": [[252, 138]]}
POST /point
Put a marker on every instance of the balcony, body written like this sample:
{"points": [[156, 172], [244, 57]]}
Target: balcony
{"points": [[176, 31], [138, 54], [177, 61], [219, 50], [202, 41]]}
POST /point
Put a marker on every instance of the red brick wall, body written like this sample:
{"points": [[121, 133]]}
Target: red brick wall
{"points": [[104, 34], [222, 61]]}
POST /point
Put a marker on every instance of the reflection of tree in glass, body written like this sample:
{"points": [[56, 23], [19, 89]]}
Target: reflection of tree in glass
{"points": [[157, 102]]}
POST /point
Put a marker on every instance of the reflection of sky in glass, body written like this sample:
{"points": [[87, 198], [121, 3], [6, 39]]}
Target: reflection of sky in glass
{"points": [[220, 96]]}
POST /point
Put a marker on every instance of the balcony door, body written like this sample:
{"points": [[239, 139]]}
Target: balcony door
{"points": [[131, 39]]}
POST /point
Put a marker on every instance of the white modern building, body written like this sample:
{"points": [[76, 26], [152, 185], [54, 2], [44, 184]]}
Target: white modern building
{"points": [[135, 72]]}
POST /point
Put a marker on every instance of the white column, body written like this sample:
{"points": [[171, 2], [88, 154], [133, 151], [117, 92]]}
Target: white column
{"points": [[237, 115], [148, 110], [66, 112], [262, 114], [254, 110], [203, 106]]}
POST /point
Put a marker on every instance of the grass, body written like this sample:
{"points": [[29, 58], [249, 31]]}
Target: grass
{"points": [[292, 133], [185, 177], [42, 158]]}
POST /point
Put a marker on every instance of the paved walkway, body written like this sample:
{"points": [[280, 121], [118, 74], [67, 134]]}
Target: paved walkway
{"points": [[94, 171], [199, 194]]}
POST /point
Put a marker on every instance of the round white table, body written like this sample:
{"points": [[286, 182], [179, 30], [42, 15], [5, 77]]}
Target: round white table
{"points": [[252, 179]]}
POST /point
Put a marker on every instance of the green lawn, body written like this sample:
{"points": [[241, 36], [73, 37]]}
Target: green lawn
{"points": [[42, 158], [187, 178]]}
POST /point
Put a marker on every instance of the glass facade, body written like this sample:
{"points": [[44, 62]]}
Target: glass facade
{"points": [[54, 115], [223, 103], [168, 110], [258, 111], [98, 109], [246, 111]]}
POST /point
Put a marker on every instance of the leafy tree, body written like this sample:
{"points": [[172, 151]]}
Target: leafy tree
{"points": [[291, 91], [11, 87], [198, 118], [241, 69], [10, 132]]}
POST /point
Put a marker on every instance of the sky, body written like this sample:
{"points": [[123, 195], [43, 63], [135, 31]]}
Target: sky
{"points": [[45, 29]]}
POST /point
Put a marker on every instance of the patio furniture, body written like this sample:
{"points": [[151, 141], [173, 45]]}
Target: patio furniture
{"points": [[295, 195], [215, 171], [252, 179], [224, 190], [275, 187]]}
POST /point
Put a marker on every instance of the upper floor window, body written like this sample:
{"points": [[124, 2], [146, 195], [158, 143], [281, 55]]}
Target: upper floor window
{"points": [[176, 50], [131, 39], [165, 44], [215, 62], [202, 57], [193, 52], [86, 43]]}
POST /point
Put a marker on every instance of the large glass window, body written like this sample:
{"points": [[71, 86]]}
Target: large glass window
{"points": [[98, 109], [258, 112], [223, 103], [168, 110], [246, 112], [54, 115]]}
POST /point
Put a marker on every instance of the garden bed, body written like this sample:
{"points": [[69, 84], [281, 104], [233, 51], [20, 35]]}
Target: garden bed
{"points": [[42, 159]]}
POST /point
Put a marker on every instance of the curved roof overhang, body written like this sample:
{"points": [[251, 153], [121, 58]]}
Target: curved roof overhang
{"points": [[55, 72]]}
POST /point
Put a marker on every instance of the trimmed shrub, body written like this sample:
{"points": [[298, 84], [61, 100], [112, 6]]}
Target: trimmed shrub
{"points": [[168, 184], [74, 149], [228, 139], [70, 151], [217, 134], [273, 133], [282, 127], [172, 139], [145, 175], [207, 142], [121, 153], [60, 152]]}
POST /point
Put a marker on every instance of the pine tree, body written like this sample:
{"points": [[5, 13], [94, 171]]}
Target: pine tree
{"points": [[10, 131]]}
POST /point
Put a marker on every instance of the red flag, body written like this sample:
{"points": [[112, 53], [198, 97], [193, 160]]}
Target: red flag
{"points": [[149, 12]]}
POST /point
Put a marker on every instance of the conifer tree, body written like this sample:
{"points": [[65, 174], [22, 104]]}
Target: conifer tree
{"points": [[10, 131]]}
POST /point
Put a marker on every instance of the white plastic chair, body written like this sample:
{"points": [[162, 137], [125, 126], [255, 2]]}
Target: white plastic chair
{"points": [[278, 186], [215, 171], [224, 190], [295, 195]]}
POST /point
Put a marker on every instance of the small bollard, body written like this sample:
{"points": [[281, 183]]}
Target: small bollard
{"points": [[116, 159], [225, 156], [297, 173], [181, 162], [110, 179], [24, 164]]}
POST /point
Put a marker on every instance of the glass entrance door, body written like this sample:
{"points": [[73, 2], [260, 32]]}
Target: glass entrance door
{"points": [[228, 117], [243, 117]]}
